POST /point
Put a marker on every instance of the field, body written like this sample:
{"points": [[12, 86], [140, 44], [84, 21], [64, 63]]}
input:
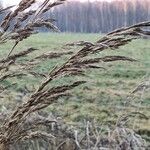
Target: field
{"points": [[106, 95]]}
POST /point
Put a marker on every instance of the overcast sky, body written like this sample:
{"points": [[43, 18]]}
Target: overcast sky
{"points": [[15, 2]]}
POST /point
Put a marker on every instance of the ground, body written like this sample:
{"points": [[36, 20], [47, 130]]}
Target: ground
{"points": [[104, 96]]}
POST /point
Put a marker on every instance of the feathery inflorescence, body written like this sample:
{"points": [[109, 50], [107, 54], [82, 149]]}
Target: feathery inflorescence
{"points": [[12, 129]]}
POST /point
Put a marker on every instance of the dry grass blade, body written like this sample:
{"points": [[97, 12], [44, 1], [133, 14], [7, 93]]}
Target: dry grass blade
{"points": [[6, 65], [12, 128], [41, 8], [38, 134], [124, 118], [52, 55], [5, 9], [11, 75], [43, 23], [23, 5], [136, 26], [88, 62], [18, 55], [22, 30], [42, 98]]}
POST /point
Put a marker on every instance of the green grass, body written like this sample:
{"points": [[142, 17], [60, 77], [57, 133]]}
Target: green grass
{"points": [[102, 97]]}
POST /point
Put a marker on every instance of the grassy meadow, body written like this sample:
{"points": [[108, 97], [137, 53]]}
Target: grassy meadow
{"points": [[107, 93]]}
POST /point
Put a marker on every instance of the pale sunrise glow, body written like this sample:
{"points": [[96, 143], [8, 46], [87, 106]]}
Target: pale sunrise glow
{"points": [[6, 3], [15, 2], [92, 0]]}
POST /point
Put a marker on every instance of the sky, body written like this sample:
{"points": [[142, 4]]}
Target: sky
{"points": [[15, 2]]}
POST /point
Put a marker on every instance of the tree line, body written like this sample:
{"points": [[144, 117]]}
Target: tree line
{"points": [[98, 16]]}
